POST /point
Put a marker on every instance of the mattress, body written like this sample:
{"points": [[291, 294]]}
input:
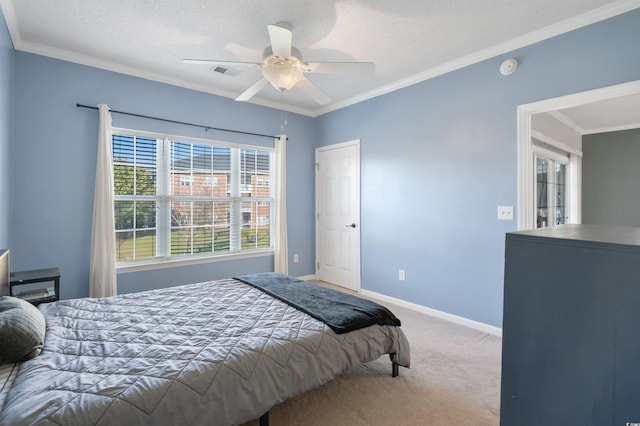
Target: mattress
{"points": [[219, 352]]}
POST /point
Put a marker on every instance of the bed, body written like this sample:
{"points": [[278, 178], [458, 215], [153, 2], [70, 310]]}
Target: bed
{"points": [[221, 352]]}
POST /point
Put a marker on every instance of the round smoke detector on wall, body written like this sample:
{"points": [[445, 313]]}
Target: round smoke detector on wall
{"points": [[508, 66]]}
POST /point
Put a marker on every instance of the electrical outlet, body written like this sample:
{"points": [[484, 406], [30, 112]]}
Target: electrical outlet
{"points": [[296, 258], [401, 274]]}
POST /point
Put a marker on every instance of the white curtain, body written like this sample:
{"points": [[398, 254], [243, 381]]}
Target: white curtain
{"points": [[281, 256], [102, 281]]}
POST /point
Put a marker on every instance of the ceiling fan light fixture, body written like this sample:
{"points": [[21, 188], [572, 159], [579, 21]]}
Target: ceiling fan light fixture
{"points": [[283, 68], [282, 76]]}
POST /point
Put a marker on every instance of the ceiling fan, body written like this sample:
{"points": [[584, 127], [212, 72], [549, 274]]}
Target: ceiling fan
{"points": [[283, 67]]}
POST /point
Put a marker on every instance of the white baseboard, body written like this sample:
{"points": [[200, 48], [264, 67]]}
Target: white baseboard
{"points": [[490, 329], [307, 277], [476, 325]]}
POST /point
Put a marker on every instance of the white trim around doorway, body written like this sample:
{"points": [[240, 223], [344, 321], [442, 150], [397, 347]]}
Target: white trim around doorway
{"points": [[526, 184]]}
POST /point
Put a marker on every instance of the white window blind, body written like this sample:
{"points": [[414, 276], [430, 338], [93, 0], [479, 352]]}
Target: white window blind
{"points": [[177, 197]]}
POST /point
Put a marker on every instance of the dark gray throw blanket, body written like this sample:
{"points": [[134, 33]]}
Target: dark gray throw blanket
{"points": [[341, 312]]}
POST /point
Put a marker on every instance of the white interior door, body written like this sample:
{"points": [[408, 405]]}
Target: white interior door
{"points": [[338, 214]]}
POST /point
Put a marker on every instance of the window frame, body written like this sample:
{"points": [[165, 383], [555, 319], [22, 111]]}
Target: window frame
{"points": [[556, 152], [553, 159], [163, 198]]}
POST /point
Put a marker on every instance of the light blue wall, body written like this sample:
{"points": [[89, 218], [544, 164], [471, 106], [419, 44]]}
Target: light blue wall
{"points": [[6, 65], [610, 177], [54, 158], [439, 157]]}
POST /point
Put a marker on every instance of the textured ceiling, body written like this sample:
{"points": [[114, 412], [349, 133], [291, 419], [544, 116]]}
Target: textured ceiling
{"points": [[408, 40]]}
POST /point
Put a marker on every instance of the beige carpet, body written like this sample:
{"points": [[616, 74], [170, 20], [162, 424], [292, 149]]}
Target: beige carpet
{"points": [[454, 379]]}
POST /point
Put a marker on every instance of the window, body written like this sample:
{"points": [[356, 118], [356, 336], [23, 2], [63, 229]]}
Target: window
{"points": [[551, 192], [246, 218], [210, 181], [184, 198], [186, 181]]}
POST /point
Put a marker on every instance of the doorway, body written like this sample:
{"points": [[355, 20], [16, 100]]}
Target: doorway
{"points": [[526, 155], [338, 214]]}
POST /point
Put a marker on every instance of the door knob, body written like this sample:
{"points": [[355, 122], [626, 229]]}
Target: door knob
{"points": [[353, 225]]}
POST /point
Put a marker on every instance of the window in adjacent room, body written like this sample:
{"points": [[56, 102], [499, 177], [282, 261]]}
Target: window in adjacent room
{"points": [[175, 197], [556, 185], [551, 192]]}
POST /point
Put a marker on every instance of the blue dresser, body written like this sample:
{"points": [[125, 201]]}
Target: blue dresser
{"points": [[571, 327]]}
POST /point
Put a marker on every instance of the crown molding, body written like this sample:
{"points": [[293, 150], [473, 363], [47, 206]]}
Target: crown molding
{"points": [[94, 62], [610, 129], [542, 137], [588, 18], [566, 121], [19, 44]]}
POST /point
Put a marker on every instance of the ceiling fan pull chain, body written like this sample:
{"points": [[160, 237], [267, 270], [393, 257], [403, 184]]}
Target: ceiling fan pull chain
{"points": [[283, 115]]}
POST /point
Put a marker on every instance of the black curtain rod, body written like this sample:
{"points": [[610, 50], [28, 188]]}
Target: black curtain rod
{"points": [[206, 128]]}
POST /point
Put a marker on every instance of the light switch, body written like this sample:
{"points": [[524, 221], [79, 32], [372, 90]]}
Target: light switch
{"points": [[505, 212]]}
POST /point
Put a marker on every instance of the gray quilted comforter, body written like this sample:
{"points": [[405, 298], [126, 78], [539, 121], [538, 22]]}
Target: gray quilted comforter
{"points": [[213, 353]]}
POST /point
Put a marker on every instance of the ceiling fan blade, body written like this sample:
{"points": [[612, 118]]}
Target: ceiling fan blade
{"points": [[253, 89], [340, 67], [223, 63], [314, 91], [281, 39]]}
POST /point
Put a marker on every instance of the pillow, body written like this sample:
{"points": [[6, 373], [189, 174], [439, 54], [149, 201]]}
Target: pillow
{"points": [[22, 328]]}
